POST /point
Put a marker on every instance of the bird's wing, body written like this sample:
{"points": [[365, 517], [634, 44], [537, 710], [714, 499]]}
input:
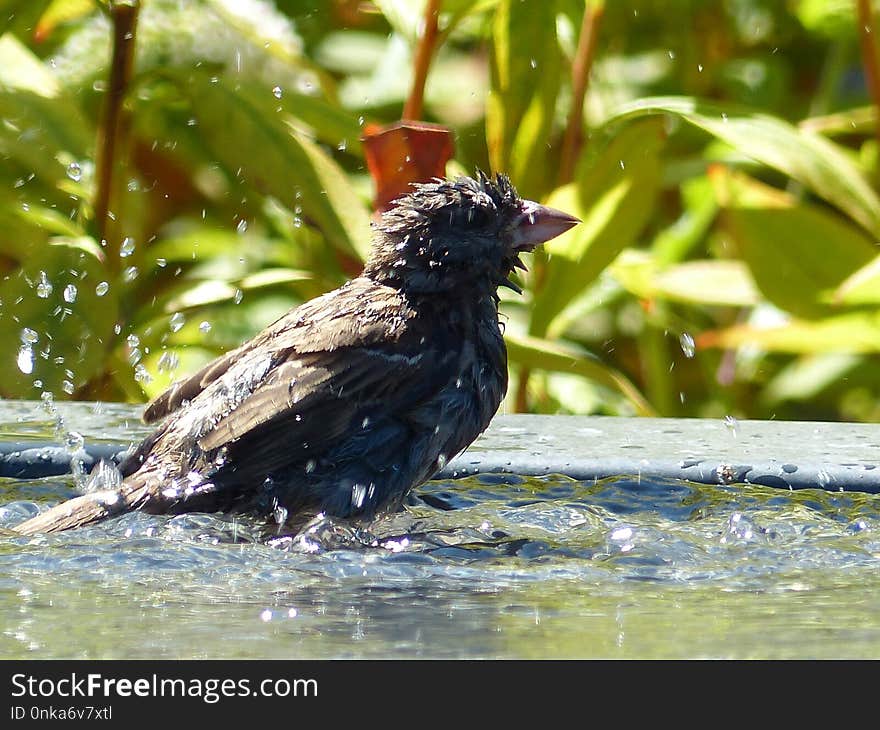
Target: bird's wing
{"points": [[309, 404], [296, 388], [353, 315]]}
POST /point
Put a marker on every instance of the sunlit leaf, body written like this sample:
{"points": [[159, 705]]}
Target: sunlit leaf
{"points": [[537, 353], [809, 375], [405, 16], [49, 220], [849, 333], [526, 75], [21, 15], [272, 277], [247, 135], [859, 120], [59, 12], [795, 251], [706, 282], [21, 69], [861, 287], [700, 208], [614, 196], [806, 157]]}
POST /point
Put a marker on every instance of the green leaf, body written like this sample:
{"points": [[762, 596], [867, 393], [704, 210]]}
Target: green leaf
{"points": [[853, 332], [21, 69], [707, 282], [21, 16], [526, 76], [861, 287], [809, 375], [63, 11], [540, 354], [404, 16], [245, 132], [700, 208], [41, 133], [72, 337], [614, 196], [796, 252], [328, 122], [810, 159], [49, 220]]}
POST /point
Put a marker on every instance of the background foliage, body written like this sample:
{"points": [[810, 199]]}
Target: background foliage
{"points": [[724, 161]]}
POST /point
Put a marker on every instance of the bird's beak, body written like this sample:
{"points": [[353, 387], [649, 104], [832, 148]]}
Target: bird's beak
{"points": [[538, 223]]}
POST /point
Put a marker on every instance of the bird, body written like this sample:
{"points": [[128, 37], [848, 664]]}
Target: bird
{"points": [[350, 400]]}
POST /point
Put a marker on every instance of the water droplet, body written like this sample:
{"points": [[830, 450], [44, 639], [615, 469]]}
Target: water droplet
{"points": [[276, 92], [342, 146], [69, 294], [731, 424], [266, 615], [687, 344], [238, 296], [161, 263], [102, 288], [533, 63], [358, 494], [127, 246], [176, 322], [74, 171], [141, 374], [700, 67], [241, 227], [133, 341], [67, 387], [205, 327], [168, 362], [25, 359], [44, 286], [73, 441], [29, 336], [130, 273]]}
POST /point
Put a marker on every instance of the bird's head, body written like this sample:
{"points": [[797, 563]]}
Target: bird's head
{"points": [[459, 234]]}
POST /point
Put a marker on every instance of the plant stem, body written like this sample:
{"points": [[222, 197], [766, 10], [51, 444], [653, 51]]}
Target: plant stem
{"points": [[869, 54], [123, 16], [412, 109], [580, 80], [571, 144]]}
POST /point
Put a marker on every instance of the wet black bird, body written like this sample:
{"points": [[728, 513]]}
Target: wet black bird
{"points": [[350, 400]]}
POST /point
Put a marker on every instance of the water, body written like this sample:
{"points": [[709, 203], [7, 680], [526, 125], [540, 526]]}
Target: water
{"points": [[484, 566]]}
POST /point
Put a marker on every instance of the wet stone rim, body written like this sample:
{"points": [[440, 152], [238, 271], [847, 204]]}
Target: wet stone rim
{"points": [[783, 454]]}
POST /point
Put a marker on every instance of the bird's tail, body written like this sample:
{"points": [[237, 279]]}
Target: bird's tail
{"points": [[94, 506]]}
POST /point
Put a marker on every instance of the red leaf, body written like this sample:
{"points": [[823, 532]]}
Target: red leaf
{"points": [[405, 152]]}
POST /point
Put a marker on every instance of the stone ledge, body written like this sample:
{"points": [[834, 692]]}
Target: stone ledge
{"points": [[784, 454]]}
